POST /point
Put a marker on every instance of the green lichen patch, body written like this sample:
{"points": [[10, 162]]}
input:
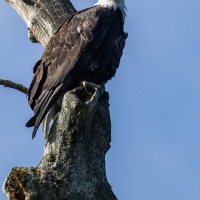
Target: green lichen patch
{"points": [[36, 171], [51, 157]]}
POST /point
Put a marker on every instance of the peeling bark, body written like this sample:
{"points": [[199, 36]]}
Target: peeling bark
{"points": [[73, 164]]}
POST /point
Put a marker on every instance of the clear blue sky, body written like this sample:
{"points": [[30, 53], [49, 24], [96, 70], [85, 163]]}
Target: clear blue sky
{"points": [[155, 101]]}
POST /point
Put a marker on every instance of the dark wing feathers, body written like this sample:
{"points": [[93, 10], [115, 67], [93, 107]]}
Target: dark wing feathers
{"points": [[65, 58], [45, 106], [36, 66]]}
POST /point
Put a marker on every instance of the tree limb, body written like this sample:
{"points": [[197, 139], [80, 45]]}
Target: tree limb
{"points": [[42, 17], [10, 84]]}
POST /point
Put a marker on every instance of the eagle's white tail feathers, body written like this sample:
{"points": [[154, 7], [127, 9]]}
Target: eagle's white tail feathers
{"points": [[47, 120], [51, 115]]}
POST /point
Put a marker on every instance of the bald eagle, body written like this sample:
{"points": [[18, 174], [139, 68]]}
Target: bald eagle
{"points": [[87, 47]]}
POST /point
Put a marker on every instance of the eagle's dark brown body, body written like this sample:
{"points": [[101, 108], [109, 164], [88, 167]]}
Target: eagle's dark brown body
{"points": [[87, 47]]}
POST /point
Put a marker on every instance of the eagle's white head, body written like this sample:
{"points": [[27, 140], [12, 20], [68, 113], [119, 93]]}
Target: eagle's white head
{"points": [[113, 4]]}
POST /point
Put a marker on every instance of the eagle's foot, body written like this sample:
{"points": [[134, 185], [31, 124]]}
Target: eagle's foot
{"points": [[77, 90], [87, 89], [97, 88], [91, 85]]}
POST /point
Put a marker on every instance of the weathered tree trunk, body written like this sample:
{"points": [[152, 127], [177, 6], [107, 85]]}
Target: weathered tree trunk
{"points": [[42, 17], [73, 164]]}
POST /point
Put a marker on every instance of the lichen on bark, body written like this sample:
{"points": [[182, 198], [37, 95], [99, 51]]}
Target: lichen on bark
{"points": [[73, 164]]}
